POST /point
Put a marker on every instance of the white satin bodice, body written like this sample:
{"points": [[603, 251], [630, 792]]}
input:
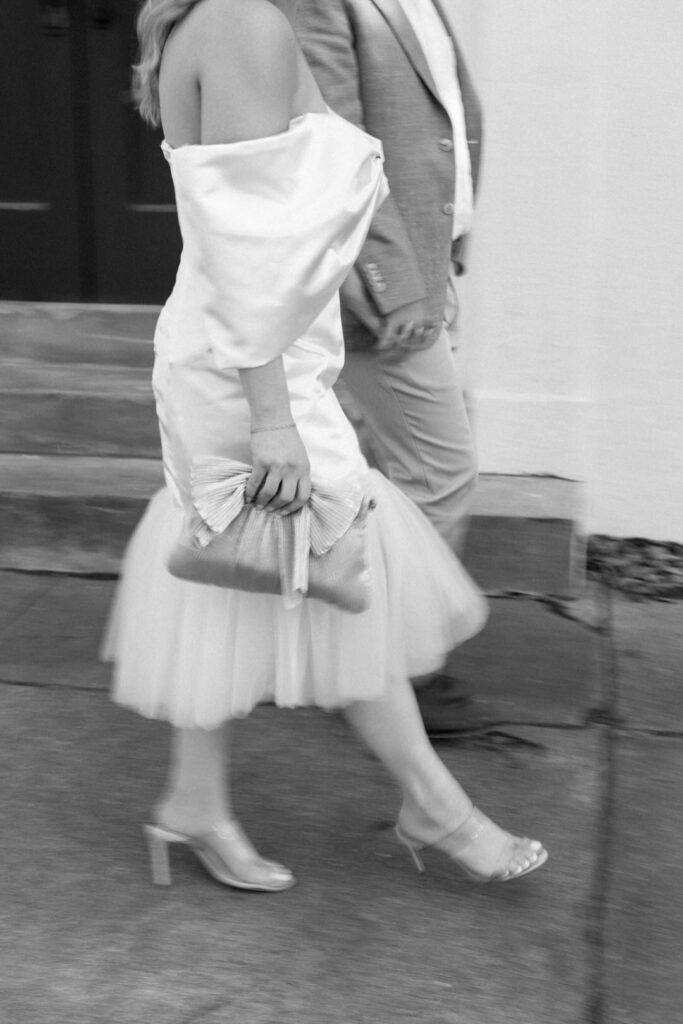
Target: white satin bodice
{"points": [[270, 228]]}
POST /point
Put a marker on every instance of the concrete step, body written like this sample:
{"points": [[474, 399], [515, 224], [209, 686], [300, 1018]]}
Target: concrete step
{"points": [[77, 333], [80, 444], [77, 409], [75, 514], [70, 513], [523, 535]]}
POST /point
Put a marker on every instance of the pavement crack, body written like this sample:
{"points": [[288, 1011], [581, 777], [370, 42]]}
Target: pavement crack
{"points": [[492, 736], [603, 715], [642, 730], [64, 574], [30, 684], [596, 917], [596, 923], [563, 607], [30, 603], [208, 1009], [497, 739]]}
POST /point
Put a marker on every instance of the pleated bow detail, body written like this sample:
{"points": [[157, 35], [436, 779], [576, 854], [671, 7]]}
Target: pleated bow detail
{"points": [[218, 488]]}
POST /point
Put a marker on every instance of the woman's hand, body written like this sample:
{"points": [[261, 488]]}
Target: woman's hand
{"points": [[281, 476]]}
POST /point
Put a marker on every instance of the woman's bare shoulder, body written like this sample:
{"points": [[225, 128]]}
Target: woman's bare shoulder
{"points": [[229, 73], [245, 60], [240, 29]]}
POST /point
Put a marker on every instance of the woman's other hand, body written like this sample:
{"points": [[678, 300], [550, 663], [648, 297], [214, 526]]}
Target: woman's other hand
{"points": [[281, 475]]}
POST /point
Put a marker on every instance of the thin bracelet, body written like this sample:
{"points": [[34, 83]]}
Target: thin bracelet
{"points": [[281, 426]]}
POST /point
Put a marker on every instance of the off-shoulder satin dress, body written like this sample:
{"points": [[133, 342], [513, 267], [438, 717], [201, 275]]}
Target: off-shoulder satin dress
{"points": [[270, 228]]}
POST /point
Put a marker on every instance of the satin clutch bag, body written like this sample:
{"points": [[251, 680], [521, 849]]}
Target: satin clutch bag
{"points": [[319, 551]]}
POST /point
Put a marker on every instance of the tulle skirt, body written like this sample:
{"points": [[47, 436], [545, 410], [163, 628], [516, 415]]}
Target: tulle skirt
{"points": [[199, 655]]}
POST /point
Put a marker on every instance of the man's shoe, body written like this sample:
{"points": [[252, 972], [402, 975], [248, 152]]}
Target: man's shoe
{"points": [[448, 709]]}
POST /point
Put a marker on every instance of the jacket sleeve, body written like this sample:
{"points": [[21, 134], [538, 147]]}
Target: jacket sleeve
{"points": [[387, 261]]}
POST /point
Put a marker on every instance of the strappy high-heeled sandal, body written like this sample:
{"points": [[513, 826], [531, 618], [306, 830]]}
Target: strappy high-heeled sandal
{"points": [[474, 829], [224, 851]]}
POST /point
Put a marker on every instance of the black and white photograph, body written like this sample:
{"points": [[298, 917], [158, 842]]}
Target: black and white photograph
{"points": [[341, 511]]}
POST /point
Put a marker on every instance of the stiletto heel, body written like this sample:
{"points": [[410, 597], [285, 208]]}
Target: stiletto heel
{"points": [[224, 851], [456, 841], [417, 859]]}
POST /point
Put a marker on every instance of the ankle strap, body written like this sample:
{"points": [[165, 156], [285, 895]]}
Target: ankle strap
{"points": [[466, 833]]}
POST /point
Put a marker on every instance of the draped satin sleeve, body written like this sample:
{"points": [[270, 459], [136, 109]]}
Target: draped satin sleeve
{"points": [[270, 229]]}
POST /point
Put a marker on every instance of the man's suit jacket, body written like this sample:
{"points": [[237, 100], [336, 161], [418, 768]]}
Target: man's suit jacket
{"points": [[372, 70]]}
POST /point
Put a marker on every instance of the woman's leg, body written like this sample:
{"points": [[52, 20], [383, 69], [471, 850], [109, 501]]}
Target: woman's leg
{"points": [[392, 728], [197, 793], [196, 802], [434, 803]]}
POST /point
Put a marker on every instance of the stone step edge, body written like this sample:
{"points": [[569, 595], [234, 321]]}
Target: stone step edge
{"points": [[499, 495], [82, 380], [75, 514], [75, 333], [79, 476]]}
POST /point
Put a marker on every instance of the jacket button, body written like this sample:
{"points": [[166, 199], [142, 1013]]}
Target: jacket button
{"points": [[446, 145], [448, 208]]}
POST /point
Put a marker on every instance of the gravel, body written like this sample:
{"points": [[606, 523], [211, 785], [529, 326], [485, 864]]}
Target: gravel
{"points": [[636, 566]]}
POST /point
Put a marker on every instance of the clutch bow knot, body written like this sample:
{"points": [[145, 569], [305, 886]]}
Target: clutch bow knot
{"points": [[317, 551]]}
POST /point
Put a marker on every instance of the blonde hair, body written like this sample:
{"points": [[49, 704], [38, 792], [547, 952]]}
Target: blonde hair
{"points": [[155, 21]]}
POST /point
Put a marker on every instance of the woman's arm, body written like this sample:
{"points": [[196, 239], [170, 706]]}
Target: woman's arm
{"points": [[281, 478], [247, 77]]}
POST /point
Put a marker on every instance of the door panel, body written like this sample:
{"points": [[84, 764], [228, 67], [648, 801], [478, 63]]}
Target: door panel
{"points": [[39, 219], [136, 232], [86, 201]]}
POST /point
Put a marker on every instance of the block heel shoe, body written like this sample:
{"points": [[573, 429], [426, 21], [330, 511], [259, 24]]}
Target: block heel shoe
{"points": [[225, 853]]}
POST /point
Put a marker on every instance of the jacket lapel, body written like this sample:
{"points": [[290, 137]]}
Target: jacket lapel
{"points": [[470, 101], [402, 29]]}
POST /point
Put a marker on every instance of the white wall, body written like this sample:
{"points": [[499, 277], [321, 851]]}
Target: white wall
{"points": [[573, 308]]}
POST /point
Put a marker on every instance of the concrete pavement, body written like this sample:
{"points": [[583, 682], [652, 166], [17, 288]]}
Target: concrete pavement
{"points": [[585, 750]]}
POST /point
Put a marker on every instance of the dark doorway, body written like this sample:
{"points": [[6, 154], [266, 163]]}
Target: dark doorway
{"points": [[86, 203]]}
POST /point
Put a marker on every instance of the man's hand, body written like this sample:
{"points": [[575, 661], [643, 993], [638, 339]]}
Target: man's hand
{"points": [[355, 297], [398, 333], [406, 329]]}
